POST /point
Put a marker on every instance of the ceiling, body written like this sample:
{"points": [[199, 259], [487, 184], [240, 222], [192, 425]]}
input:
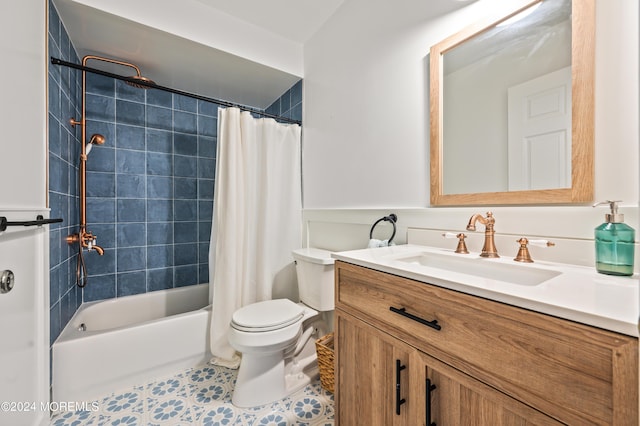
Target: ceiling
{"points": [[147, 38], [186, 65], [296, 20]]}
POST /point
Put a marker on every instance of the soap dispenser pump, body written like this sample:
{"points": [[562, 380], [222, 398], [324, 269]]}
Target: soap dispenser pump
{"points": [[614, 243]]}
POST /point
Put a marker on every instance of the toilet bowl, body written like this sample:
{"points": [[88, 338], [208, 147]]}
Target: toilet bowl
{"points": [[277, 337]]}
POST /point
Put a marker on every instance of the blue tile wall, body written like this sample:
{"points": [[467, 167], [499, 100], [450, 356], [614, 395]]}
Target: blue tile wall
{"points": [[64, 91], [289, 105], [149, 188]]}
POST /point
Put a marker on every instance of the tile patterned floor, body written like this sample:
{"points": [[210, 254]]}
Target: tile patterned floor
{"points": [[200, 396]]}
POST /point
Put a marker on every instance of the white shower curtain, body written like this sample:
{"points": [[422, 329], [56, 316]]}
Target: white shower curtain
{"points": [[257, 215]]}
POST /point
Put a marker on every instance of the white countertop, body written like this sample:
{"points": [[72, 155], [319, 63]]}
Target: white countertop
{"points": [[577, 293]]}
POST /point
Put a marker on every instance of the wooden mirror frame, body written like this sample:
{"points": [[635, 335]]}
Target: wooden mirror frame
{"points": [[582, 117]]}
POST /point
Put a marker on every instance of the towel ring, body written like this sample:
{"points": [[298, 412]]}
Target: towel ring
{"points": [[391, 218]]}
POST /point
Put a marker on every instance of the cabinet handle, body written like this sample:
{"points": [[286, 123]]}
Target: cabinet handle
{"points": [[403, 311], [399, 399], [430, 387]]}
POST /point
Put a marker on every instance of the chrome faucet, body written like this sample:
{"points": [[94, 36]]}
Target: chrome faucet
{"points": [[489, 248]]}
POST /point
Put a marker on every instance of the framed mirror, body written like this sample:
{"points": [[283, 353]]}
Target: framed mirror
{"points": [[512, 108]]}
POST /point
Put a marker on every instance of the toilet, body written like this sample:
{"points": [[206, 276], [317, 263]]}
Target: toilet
{"points": [[277, 337]]}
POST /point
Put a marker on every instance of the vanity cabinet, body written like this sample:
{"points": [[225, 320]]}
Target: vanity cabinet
{"points": [[384, 381], [491, 363]]}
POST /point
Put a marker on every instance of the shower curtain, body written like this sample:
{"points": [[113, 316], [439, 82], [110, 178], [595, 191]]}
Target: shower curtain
{"points": [[257, 216]]}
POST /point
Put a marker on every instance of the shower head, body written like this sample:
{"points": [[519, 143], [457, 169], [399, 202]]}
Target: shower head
{"points": [[96, 139], [140, 78], [137, 77]]}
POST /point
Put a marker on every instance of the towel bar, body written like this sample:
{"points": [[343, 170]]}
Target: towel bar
{"points": [[40, 220]]}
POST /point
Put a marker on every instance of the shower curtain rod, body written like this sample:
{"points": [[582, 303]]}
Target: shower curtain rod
{"points": [[57, 61]]}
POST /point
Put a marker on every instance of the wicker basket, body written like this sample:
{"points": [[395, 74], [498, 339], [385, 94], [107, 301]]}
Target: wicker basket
{"points": [[324, 348]]}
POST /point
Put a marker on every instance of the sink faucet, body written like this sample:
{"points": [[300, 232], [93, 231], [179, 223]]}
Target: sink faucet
{"points": [[489, 248]]}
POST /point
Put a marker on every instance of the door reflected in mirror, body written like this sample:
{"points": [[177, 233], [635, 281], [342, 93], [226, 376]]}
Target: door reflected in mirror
{"points": [[506, 97]]}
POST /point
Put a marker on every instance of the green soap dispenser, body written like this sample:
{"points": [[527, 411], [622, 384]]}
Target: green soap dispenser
{"points": [[614, 243]]}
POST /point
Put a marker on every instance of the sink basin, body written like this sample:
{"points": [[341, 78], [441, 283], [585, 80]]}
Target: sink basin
{"points": [[525, 275]]}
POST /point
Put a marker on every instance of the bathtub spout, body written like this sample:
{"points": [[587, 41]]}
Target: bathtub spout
{"points": [[98, 249]]}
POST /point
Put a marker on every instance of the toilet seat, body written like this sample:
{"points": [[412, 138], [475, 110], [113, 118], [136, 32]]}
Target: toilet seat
{"points": [[267, 316]]}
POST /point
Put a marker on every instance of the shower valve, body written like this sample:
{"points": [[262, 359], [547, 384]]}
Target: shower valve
{"points": [[86, 240]]}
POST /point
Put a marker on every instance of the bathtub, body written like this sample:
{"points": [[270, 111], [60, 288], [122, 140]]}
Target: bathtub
{"points": [[118, 343]]}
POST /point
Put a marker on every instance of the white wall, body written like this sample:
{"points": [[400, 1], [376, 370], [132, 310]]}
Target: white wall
{"points": [[366, 107], [23, 146], [24, 311]]}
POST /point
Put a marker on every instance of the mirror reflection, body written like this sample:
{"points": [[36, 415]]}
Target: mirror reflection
{"points": [[475, 159], [506, 105]]}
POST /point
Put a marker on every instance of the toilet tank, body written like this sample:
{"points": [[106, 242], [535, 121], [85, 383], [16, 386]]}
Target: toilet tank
{"points": [[314, 268]]}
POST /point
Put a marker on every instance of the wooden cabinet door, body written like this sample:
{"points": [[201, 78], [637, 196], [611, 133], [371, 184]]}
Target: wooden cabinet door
{"points": [[456, 399], [372, 376]]}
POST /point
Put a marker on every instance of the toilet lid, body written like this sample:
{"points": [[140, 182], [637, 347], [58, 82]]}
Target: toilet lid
{"points": [[267, 315]]}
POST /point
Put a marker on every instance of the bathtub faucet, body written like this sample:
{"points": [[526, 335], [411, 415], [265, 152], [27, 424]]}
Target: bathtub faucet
{"points": [[91, 245], [86, 240], [98, 249], [489, 248]]}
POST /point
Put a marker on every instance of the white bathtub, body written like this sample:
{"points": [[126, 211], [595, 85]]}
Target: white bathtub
{"points": [[129, 341]]}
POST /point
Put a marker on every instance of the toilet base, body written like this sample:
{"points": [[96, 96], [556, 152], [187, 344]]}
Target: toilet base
{"points": [[267, 378]]}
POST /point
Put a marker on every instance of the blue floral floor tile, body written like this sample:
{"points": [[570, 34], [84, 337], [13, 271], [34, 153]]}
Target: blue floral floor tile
{"points": [[200, 396]]}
